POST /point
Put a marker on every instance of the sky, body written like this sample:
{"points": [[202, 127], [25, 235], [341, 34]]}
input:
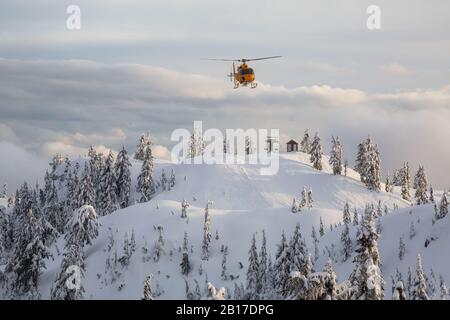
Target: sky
{"points": [[134, 66]]}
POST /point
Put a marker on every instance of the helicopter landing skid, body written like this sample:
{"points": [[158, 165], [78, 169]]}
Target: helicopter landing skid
{"points": [[253, 85], [236, 84]]}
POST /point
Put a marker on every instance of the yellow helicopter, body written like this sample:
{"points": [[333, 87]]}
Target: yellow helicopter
{"points": [[245, 76]]}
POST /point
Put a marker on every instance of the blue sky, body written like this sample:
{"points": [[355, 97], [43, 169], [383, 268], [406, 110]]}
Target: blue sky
{"points": [[135, 66]]}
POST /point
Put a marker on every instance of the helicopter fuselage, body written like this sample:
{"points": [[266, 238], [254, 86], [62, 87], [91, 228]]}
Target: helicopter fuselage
{"points": [[244, 75]]}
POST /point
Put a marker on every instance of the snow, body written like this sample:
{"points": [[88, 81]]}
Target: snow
{"points": [[244, 202]]}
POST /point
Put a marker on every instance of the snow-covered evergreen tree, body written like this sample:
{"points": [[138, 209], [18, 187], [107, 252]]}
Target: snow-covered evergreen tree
{"points": [[86, 193], [366, 277], [223, 274], [146, 185], [163, 181], [443, 288], [298, 252], [148, 290], [346, 217], [421, 186], [68, 284], [368, 164], [29, 254], [253, 279], [388, 187], [123, 178], [172, 180], [401, 249], [404, 178], [321, 228], [107, 187], [206, 233], [431, 198], [336, 155], [263, 267], [316, 153], [346, 243], [142, 146], [83, 226], [443, 206], [399, 292], [184, 207], [316, 244], [355, 217], [419, 291], [185, 264], [282, 266], [305, 144], [158, 248]]}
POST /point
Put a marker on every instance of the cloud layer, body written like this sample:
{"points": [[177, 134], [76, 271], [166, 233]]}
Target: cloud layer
{"points": [[64, 106]]}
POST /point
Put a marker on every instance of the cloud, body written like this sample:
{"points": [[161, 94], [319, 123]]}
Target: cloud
{"points": [[18, 165], [64, 106], [395, 69]]}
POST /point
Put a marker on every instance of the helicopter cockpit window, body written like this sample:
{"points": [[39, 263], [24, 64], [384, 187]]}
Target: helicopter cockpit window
{"points": [[247, 71]]}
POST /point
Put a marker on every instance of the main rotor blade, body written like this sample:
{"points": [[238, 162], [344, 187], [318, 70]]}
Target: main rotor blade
{"points": [[221, 59], [264, 58]]}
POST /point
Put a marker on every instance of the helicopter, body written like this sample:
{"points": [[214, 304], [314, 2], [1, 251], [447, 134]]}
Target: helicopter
{"points": [[245, 76]]}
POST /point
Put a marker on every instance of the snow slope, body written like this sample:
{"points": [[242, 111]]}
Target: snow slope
{"points": [[245, 203]]}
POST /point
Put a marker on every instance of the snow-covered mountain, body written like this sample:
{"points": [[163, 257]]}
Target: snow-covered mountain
{"points": [[246, 203]]}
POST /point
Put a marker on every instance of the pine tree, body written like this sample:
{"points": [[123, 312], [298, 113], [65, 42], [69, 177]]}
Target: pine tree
{"points": [[53, 209], [163, 181], [321, 229], [336, 155], [253, 272], [401, 249], [412, 230], [366, 277], [297, 251], [310, 200], [123, 178], [172, 180], [68, 285], [355, 217], [146, 185], [282, 266], [330, 283], [443, 288], [107, 187], [399, 291], [305, 144], [29, 254], [346, 243], [148, 291], [83, 226], [404, 177], [184, 206], [263, 266], [443, 206], [421, 186], [206, 233], [294, 207], [86, 194], [346, 218], [223, 274], [316, 153], [142, 146], [158, 248], [388, 187], [419, 291], [431, 194], [368, 164], [185, 264]]}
